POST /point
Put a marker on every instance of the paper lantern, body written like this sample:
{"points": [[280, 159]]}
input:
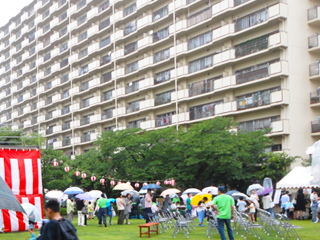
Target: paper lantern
{"points": [[145, 184], [119, 182], [93, 178], [169, 182], [66, 169], [77, 173], [83, 175], [55, 163], [158, 183], [165, 182], [173, 182], [102, 180], [137, 185], [112, 183], [129, 183]]}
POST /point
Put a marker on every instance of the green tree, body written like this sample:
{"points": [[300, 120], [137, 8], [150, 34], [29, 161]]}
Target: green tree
{"points": [[18, 137]]}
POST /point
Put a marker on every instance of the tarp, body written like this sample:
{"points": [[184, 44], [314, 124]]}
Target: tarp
{"points": [[299, 177]]}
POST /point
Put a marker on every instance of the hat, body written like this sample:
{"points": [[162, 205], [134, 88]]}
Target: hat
{"points": [[221, 189]]}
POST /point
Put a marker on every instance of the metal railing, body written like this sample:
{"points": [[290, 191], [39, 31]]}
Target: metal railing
{"points": [[312, 13], [162, 77], [315, 97], [86, 138], [201, 87], [81, 4], [66, 126], [315, 126], [314, 69], [164, 119], [82, 36], [105, 59], [131, 47], [49, 131], [66, 142], [34, 120], [202, 111], [107, 96], [133, 107], [252, 46], [48, 115], [33, 106], [104, 42], [163, 98], [106, 77], [82, 19], [104, 24], [84, 86], [160, 13], [64, 63], [257, 100], [252, 75], [84, 104], [129, 9], [161, 34], [199, 16], [238, 2], [84, 121], [133, 87], [130, 27], [313, 41], [107, 114], [162, 55], [131, 67]]}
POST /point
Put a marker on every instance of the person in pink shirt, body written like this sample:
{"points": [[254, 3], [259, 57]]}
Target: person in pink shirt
{"points": [[148, 204]]}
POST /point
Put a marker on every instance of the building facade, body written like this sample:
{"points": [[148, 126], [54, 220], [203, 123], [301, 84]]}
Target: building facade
{"points": [[71, 69]]}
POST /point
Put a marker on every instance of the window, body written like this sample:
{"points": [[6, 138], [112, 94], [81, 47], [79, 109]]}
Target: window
{"points": [[131, 47], [64, 47], [6, 43], [19, 72], [32, 65], [162, 76], [32, 51], [105, 59], [63, 31], [48, 100], [251, 20], [104, 42], [252, 46], [84, 86], [82, 19], [162, 55], [18, 34], [83, 52], [83, 70], [18, 47], [107, 95], [130, 9], [18, 22], [202, 111], [81, 4], [86, 119], [238, 2], [31, 25], [134, 106], [130, 27], [64, 63], [48, 85], [7, 66], [7, 55], [199, 40], [64, 78], [164, 119], [19, 59], [105, 23], [46, 28], [47, 71], [63, 16], [132, 86], [200, 64], [200, 16], [108, 113], [85, 103], [103, 6], [33, 79], [6, 31], [30, 12], [8, 79], [61, 2], [109, 129], [136, 124], [161, 34], [105, 77], [31, 37], [65, 93], [47, 57], [45, 14], [46, 41], [160, 13], [65, 109], [33, 92], [82, 36], [203, 86], [257, 124], [163, 98], [131, 67]]}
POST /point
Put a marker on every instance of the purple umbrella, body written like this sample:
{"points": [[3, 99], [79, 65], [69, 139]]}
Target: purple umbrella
{"points": [[84, 196], [265, 191]]}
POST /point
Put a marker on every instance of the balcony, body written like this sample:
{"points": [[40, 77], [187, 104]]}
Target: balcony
{"points": [[85, 121], [66, 142], [313, 16], [164, 119], [133, 107], [49, 131], [315, 98], [132, 87], [314, 73], [313, 43], [315, 128], [107, 114], [48, 116], [66, 126], [200, 16]]}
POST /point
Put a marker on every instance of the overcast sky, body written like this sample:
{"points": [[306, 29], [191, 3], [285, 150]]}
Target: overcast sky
{"points": [[10, 8]]}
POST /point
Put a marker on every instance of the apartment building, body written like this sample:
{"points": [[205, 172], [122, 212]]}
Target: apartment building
{"points": [[71, 69]]}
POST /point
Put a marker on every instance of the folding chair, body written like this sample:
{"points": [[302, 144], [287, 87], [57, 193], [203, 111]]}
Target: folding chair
{"points": [[212, 224], [287, 229], [180, 225]]}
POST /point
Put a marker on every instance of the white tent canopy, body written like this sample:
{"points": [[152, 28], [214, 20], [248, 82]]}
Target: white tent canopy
{"points": [[299, 177]]}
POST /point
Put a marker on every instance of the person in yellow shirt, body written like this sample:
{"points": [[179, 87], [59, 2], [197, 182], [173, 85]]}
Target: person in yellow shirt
{"points": [[90, 208]]}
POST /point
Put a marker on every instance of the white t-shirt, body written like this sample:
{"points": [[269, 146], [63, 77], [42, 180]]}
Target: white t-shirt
{"points": [[313, 197], [252, 208], [201, 207], [154, 208], [267, 202], [241, 206]]}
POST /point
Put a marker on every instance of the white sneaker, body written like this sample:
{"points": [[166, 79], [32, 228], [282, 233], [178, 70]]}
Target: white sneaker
{"points": [[317, 220]]}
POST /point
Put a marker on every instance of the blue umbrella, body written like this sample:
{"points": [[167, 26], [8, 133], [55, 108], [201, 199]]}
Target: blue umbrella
{"points": [[73, 190], [110, 200], [151, 186], [231, 192], [84, 196]]}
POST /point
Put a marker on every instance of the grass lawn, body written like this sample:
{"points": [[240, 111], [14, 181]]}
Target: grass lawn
{"points": [[309, 231]]}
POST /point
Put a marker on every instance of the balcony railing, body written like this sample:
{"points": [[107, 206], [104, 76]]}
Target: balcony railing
{"points": [[315, 126], [107, 114], [33, 106], [129, 9], [49, 131], [105, 59], [202, 111], [252, 46], [238, 2], [86, 138], [312, 13], [133, 107], [106, 77], [104, 24], [84, 104], [131, 47], [160, 13], [132, 67], [255, 100], [133, 87], [48, 115], [162, 55], [201, 87], [48, 101], [66, 142], [252, 75], [164, 119], [314, 69], [161, 34], [81, 4], [104, 42], [34, 121], [258, 124], [129, 28], [163, 98], [162, 77], [66, 126], [84, 86], [85, 121], [313, 41], [315, 97], [107, 96], [200, 16]]}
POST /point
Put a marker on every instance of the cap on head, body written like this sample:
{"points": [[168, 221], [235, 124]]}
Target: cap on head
{"points": [[221, 189], [102, 195]]}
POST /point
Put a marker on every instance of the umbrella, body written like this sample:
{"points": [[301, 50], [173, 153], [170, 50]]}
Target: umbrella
{"points": [[73, 190], [174, 195], [84, 196], [197, 198], [236, 196], [123, 186], [213, 190], [32, 212], [8, 200], [110, 200], [95, 194], [175, 200], [55, 194], [264, 191], [193, 191], [170, 191], [144, 191], [232, 192], [151, 186], [131, 192], [255, 187], [254, 201], [184, 198]]}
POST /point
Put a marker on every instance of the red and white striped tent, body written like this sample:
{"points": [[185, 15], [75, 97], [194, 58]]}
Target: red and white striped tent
{"points": [[21, 170]]}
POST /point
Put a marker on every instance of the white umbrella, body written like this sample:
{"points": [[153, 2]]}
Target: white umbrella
{"points": [[131, 192], [193, 191], [123, 186], [32, 212], [55, 194], [236, 196], [256, 204], [73, 190], [144, 191], [212, 189], [65, 197], [255, 187], [95, 194]]}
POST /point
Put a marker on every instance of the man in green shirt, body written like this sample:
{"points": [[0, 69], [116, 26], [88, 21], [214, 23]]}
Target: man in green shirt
{"points": [[189, 208], [102, 203], [224, 204]]}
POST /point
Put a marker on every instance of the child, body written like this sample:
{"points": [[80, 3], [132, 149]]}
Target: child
{"points": [[201, 210], [241, 205], [252, 210], [90, 208], [110, 212]]}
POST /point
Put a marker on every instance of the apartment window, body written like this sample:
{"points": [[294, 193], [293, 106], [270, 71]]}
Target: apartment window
{"points": [[48, 100], [105, 77], [162, 55], [18, 47], [85, 103], [255, 99], [81, 4], [19, 59], [203, 86], [33, 92], [82, 19], [34, 120], [31, 24], [9, 116], [86, 137], [258, 124], [63, 16], [199, 40], [20, 85], [251, 20], [109, 129], [49, 116], [82, 36], [65, 93], [19, 72], [32, 51], [47, 71], [200, 64], [32, 65], [64, 47], [20, 98], [6, 43], [84, 69], [130, 9], [132, 86], [131, 47], [162, 76], [67, 140], [130, 27], [7, 66], [83, 53], [238, 2], [108, 113], [6, 31], [7, 55], [44, 2], [104, 42], [84, 86], [46, 28], [64, 63], [63, 31], [202, 111], [48, 85], [131, 67], [164, 119], [163, 98], [134, 106], [8, 104], [86, 119], [64, 78], [65, 109], [103, 6], [8, 79], [31, 37], [18, 22], [33, 79], [105, 23], [107, 95], [160, 13], [30, 12], [18, 34], [136, 124], [105, 59], [252, 46], [66, 125], [45, 14], [47, 57], [161, 34], [61, 2], [46, 41], [199, 16]]}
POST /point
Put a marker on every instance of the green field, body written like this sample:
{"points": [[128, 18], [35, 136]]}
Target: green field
{"points": [[309, 231]]}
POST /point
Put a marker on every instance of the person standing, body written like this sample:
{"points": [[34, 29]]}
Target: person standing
{"points": [[110, 213], [224, 204], [300, 204], [90, 208], [255, 196], [80, 205], [127, 209], [241, 204], [167, 204], [143, 207], [102, 203], [148, 205], [189, 207], [314, 206], [70, 207], [135, 206], [120, 205], [268, 204], [201, 211], [284, 199]]}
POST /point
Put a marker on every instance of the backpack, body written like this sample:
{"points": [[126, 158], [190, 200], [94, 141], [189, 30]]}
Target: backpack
{"points": [[68, 232]]}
